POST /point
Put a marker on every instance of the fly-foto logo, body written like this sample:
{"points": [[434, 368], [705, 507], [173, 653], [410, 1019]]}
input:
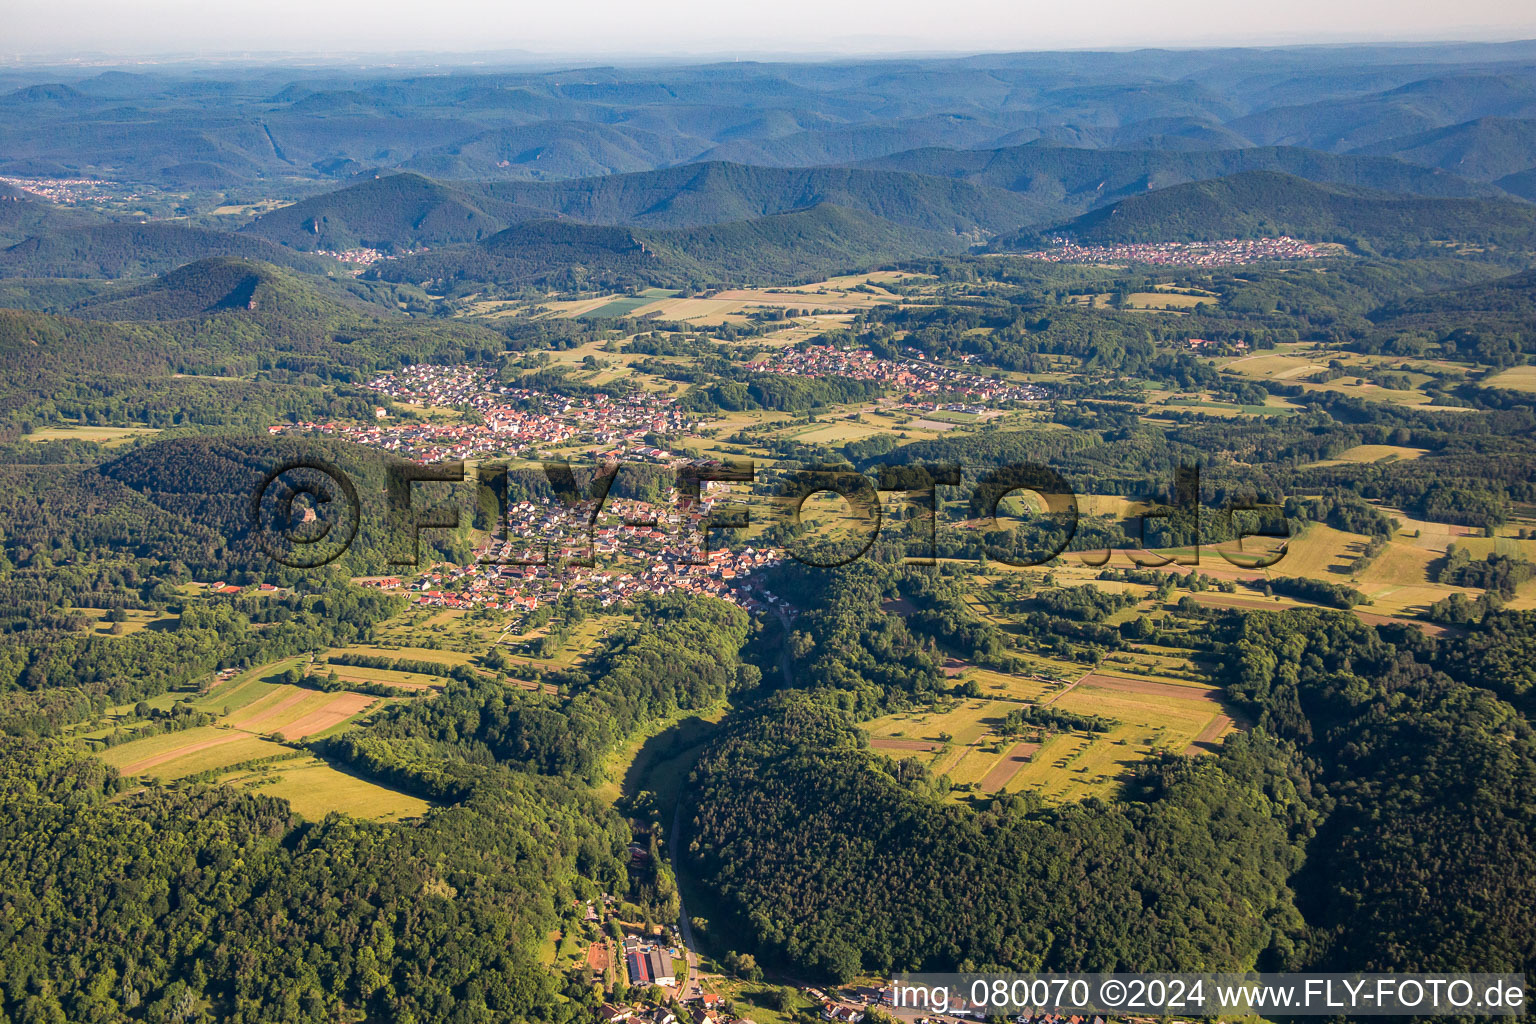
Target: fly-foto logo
{"points": [[305, 513]]}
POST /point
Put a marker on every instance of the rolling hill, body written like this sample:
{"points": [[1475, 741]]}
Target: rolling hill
{"points": [[1483, 150], [136, 250], [234, 318], [1081, 179], [1267, 203], [781, 248], [212, 286], [405, 211], [23, 215], [392, 211], [1511, 299]]}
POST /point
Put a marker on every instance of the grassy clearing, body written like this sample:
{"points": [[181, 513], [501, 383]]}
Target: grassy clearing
{"points": [[1516, 378], [137, 619], [1367, 453], [111, 437], [189, 752], [314, 789], [999, 684]]}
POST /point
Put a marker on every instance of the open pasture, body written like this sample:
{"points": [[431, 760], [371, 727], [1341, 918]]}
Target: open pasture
{"points": [[1368, 453], [136, 619], [1516, 378], [1012, 687], [110, 437], [314, 788], [189, 752]]}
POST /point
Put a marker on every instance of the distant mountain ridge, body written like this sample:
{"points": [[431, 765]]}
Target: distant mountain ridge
{"points": [[1487, 149], [1085, 178], [407, 210], [1268, 203]]}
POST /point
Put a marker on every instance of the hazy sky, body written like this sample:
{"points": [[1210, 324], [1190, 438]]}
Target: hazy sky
{"points": [[658, 27]]}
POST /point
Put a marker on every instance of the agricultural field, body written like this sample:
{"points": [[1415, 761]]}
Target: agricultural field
{"points": [[1159, 701], [314, 789], [110, 437], [1516, 378], [189, 752], [254, 743], [1368, 453], [627, 305], [134, 620]]}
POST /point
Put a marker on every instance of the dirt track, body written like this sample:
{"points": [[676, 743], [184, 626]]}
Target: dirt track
{"points": [[138, 767], [895, 743], [1206, 741]]}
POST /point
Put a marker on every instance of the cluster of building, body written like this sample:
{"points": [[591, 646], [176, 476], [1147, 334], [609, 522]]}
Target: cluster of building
{"points": [[648, 963], [365, 257], [1233, 252], [512, 420], [703, 1010], [66, 191], [516, 419], [921, 381], [631, 549]]}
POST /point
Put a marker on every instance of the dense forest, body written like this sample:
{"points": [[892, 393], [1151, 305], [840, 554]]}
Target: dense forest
{"points": [[1326, 825]]}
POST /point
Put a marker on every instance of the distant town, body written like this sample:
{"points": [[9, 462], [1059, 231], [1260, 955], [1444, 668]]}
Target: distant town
{"points": [[1233, 252]]}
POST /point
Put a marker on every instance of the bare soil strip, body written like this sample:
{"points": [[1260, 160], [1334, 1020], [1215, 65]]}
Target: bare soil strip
{"points": [[251, 723], [343, 707], [1003, 772], [1206, 741], [1150, 688]]}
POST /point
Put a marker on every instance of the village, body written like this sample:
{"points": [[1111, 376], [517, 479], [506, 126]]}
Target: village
{"points": [[631, 548], [505, 420], [1233, 252], [549, 549]]}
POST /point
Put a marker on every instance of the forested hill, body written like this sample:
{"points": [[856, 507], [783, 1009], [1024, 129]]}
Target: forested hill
{"points": [[803, 245], [134, 250], [386, 212], [1487, 149], [698, 194], [200, 320], [1267, 203], [212, 286], [1514, 295], [1306, 844], [409, 211], [1496, 320], [1086, 178], [22, 216]]}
